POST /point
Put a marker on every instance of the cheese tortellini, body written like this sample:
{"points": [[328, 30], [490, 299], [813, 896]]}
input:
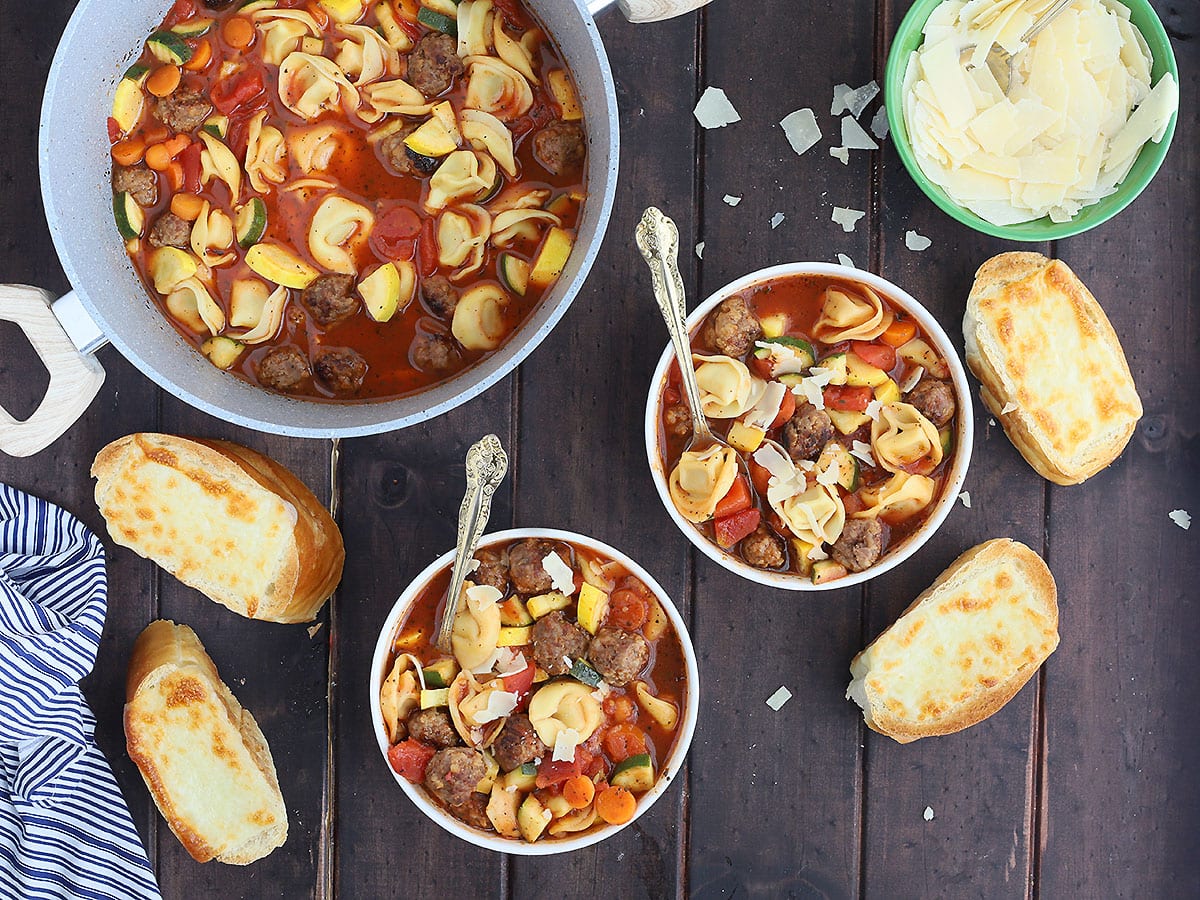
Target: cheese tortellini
{"points": [[727, 389], [217, 161], [900, 497], [480, 319], [270, 318], [192, 304], [901, 436], [312, 148], [463, 174], [700, 479], [400, 693], [462, 237], [266, 155], [483, 131], [516, 224], [474, 27], [364, 55], [848, 315], [394, 97], [518, 54], [338, 228], [212, 236], [561, 705], [816, 515], [497, 88], [476, 626], [309, 85], [282, 31], [478, 710]]}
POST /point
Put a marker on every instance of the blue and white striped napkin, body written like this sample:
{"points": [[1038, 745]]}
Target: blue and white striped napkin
{"points": [[65, 831]]}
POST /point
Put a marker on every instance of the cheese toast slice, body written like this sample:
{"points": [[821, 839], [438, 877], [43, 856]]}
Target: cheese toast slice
{"points": [[963, 648], [1051, 366], [201, 754], [223, 519]]}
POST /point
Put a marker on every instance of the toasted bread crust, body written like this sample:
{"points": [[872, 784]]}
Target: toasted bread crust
{"points": [[170, 656], [1041, 592], [232, 479], [1063, 449]]}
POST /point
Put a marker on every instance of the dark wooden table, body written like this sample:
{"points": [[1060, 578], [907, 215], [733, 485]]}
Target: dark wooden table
{"points": [[1083, 786]]}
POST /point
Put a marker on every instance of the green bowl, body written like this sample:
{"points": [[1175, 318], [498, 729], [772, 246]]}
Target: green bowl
{"points": [[908, 38]]}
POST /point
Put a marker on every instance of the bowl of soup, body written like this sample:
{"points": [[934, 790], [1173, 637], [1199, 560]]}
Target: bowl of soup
{"points": [[847, 420], [561, 712]]}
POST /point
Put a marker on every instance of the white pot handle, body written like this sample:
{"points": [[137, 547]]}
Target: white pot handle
{"points": [[639, 11], [75, 377]]}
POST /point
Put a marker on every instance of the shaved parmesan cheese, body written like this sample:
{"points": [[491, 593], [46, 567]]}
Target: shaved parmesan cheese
{"points": [[840, 153], [845, 260], [801, 130], [965, 497], [817, 553], [714, 109], [831, 473], [873, 409], [510, 661], [700, 250], [911, 379], [784, 359], [917, 242], [812, 387], [778, 464], [847, 218], [776, 220], [485, 667], [1181, 517], [879, 123], [862, 451], [840, 93], [857, 100], [481, 596], [1007, 408], [780, 697], [499, 705], [928, 814], [763, 413], [853, 136], [1078, 111], [472, 566], [562, 576], [565, 744], [732, 200]]}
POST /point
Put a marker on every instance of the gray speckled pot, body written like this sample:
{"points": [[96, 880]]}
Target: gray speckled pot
{"points": [[100, 41]]}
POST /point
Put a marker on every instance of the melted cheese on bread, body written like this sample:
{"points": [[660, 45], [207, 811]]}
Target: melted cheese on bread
{"points": [[1052, 367], [964, 648]]}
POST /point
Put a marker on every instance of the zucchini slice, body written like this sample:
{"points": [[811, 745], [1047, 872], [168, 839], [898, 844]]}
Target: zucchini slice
{"points": [[217, 126], [443, 670], [547, 603], [827, 570], [193, 29], [564, 93], [551, 259], [802, 348], [131, 221], [251, 221], [432, 139], [280, 265], [438, 697], [513, 613], [634, 774], [848, 472], [581, 671], [837, 365], [515, 636], [222, 351], [129, 99], [168, 47], [513, 272], [137, 72], [437, 21]]}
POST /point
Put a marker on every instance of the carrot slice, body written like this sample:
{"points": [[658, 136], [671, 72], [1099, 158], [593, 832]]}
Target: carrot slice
{"points": [[616, 805], [163, 81], [238, 33], [579, 791], [187, 206], [201, 57], [901, 331], [158, 157], [129, 152]]}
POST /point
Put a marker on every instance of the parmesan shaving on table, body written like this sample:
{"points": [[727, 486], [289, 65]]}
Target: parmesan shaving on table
{"points": [[845, 260], [776, 220], [732, 200], [801, 130], [840, 153], [965, 497], [916, 242], [780, 697], [700, 250], [879, 123], [1181, 517], [1079, 109], [853, 136], [847, 218], [714, 109]]}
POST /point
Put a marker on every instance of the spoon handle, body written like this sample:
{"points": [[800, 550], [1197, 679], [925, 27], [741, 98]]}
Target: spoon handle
{"points": [[487, 464], [658, 239], [1045, 19]]}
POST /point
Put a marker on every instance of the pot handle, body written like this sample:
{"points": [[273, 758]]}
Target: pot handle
{"points": [[639, 11], [75, 378]]}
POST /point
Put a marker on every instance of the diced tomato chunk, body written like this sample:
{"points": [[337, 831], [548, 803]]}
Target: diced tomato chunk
{"points": [[520, 683], [427, 249], [760, 475], [735, 500], [732, 529], [409, 758], [190, 160], [846, 398], [114, 130], [881, 356], [396, 231], [552, 771], [229, 94], [623, 741], [761, 366], [787, 409]]}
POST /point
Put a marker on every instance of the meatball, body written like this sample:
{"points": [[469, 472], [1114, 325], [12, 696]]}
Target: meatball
{"points": [[433, 352], [141, 184], [283, 368], [559, 147], [732, 328], [518, 743], [807, 432], [434, 64], [763, 548], [678, 420], [555, 640], [341, 369], [474, 812], [184, 110], [395, 153], [440, 296], [525, 565], [493, 569], [860, 545], [618, 655], [171, 231], [934, 399], [330, 298], [452, 774], [433, 726]]}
